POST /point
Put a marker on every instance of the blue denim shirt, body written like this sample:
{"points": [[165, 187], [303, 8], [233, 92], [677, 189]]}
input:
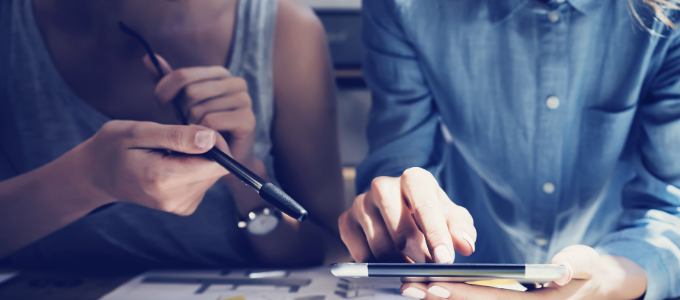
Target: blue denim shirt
{"points": [[563, 123]]}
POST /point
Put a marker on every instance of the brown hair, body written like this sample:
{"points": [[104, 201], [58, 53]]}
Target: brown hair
{"points": [[658, 8]]}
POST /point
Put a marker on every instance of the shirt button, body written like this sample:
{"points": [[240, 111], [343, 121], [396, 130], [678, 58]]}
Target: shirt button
{"points": [[552, 102], [548, 187], [553, 16], [541, 241]]}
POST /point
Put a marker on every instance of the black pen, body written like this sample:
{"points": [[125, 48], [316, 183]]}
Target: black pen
{"points": [[267, 190]]}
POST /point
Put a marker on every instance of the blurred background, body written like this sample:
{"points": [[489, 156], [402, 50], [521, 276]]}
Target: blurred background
{"points": [[342, 21]]}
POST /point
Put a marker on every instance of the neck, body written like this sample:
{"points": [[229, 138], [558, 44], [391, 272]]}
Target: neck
{"points": [[88, 17]]}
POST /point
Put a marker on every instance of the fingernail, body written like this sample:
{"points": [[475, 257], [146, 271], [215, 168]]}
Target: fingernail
{"points": [[568, 276], [470, 241], [204, 139], [439, 291], [414, 293], [442, 255]]}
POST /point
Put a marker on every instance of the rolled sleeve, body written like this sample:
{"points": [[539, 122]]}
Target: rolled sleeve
{"points": [[649, 228]]}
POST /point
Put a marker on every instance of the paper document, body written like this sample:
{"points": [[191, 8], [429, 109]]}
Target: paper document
{"points": [[248, 284], [241, 284]]}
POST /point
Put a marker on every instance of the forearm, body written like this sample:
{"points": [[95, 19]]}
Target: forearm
{"points": [[40, 202], [622, 278]]}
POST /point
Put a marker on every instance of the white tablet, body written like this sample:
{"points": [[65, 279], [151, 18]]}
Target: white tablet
{"points": [[530, 273]]}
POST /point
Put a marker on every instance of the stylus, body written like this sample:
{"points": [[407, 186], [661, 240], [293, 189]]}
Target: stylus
{"points": [[447, 270], [267, 190]]}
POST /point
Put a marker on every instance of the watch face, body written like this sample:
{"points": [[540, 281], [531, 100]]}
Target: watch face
{"points": [[263, 224]]}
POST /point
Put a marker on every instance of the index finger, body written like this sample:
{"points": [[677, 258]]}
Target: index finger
{"points": [[420, 189]]}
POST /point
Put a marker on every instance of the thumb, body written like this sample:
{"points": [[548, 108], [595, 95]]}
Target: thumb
{"points": [[165, 66], [191, 139], [580, 261]]}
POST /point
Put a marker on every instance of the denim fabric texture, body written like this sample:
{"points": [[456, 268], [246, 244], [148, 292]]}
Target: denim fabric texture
{"points": [[553, 123]]}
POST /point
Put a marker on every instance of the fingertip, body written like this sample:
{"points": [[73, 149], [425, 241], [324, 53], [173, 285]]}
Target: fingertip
{"points": [[205, 139], [148, 64], [414, 290], [442, 255], [439, 291], [165, 66], [566, 278]]}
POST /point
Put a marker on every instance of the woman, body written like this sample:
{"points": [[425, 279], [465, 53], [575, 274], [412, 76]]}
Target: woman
{"points": [[564, 127], [82, 109]]}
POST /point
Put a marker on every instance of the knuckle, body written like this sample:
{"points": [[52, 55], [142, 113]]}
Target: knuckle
{"points": [[181, 76], [381, 183], [415, 173], [464, 214], [134, 131], [426, 207], [244, 99], [192, 92], [436, 236], [240, 83], [209, 121], [175, 138], [249, 124], [196, 112]]}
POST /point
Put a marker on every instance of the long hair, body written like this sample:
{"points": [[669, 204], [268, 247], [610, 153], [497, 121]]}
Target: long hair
{"points": [[658, 9]]}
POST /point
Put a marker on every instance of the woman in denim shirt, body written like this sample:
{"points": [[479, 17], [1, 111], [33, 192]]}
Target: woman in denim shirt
{"points": [[554, 125]]}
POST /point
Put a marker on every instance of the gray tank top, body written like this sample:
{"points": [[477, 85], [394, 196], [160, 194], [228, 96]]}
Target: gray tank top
{"points": [[41, 118]]}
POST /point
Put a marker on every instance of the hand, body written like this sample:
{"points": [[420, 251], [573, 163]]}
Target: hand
{"points": [[214, 99], [129, 161], [408, 218], [588, 276]]}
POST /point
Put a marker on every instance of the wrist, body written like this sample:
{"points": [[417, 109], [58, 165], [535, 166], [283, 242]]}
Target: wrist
{"points": [[74, 173], [622, 278]]}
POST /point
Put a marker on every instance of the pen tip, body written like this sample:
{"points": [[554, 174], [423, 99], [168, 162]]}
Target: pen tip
{"points": [[303, 216]]}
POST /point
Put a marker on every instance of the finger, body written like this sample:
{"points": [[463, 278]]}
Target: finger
{"points": [[178, 169], [192, 139], [377, 235], [239, 122], [414, 290], [201, 91], [163, 64], [240, 101], [385, 193], [461, 225], [420, 189], [580, 261], [462, 291], [353, 237], [170, 85]]}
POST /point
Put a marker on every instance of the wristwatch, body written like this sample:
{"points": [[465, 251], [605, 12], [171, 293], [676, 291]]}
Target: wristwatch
{"points": [[261, 221]]}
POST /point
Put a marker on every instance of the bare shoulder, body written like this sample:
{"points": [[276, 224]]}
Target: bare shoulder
{"points": [[302, 69], [296, 17]]}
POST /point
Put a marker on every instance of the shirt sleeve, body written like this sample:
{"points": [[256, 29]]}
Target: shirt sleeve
{"points": [[649, 229], [404, 128]]}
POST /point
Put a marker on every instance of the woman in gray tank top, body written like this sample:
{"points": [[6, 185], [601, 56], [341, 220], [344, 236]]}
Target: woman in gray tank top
{"points": [[256, 71]]}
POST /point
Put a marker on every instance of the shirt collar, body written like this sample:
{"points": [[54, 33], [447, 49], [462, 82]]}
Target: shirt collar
{"points": [[507, 7]]}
